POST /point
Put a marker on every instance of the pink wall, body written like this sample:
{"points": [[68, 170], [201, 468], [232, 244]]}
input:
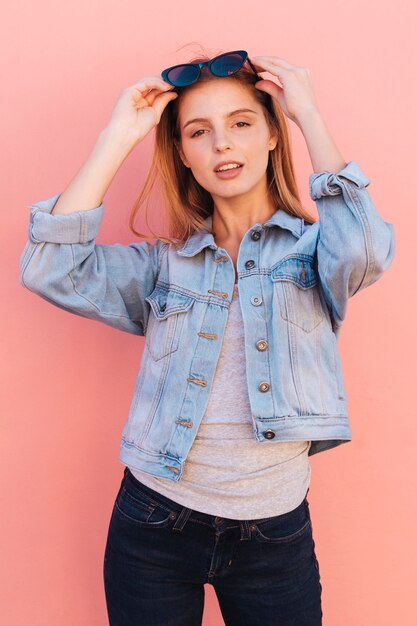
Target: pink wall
{"points": [[65, 378]]}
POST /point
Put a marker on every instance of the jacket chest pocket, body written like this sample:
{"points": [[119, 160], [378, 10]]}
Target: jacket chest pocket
{"points": [[166, 320], [296, 284]]}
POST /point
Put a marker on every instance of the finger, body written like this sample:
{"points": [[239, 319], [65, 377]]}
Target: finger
{"points": [[274, 61], [161, 101], [268, 86], [273, 68], [279, 72], [151, 82], [149, 95], [258, 68]]}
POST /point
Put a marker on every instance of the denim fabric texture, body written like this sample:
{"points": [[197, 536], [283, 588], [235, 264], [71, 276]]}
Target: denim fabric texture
{"points": [[160, 554], [295, 280]]}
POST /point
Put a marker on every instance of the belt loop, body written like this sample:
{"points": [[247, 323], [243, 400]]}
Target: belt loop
{"points": [[182, 519], [244, 530]]}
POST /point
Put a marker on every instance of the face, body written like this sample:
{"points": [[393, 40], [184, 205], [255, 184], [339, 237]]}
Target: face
{"points": [[221, 134]]}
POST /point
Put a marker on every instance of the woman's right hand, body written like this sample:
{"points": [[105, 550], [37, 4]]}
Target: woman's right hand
{"points": [[140, 106]]}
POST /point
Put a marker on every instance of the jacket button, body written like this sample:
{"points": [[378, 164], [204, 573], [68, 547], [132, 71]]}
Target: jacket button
{"points": [[255, 235], [249, 264], [256, 300], [262, 345], [264, 386], [269, 434]]}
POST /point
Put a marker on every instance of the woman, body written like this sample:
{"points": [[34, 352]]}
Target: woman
{"points": [[240, 380]]}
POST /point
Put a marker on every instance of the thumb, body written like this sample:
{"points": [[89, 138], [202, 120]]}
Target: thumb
{"points": [[269, 87], [162, 100]]}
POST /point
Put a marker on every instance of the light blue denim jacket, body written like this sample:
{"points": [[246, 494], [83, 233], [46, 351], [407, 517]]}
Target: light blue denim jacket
{"points": [[294, 283]]}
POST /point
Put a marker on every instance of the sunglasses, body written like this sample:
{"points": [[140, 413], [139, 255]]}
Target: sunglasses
{"points": [[221, 65]]}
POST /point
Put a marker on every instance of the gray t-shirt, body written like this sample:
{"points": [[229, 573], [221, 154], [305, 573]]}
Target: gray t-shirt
{"points": [[227, 472]]}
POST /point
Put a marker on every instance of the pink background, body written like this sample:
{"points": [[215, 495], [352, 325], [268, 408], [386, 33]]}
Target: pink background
{"points": [[67, 382]]}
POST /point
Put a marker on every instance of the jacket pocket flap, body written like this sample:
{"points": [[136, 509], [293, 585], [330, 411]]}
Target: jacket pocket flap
{"points": [[300, 269], [166, 302]]}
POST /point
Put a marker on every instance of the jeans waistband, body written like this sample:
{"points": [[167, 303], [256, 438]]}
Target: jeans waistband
{"points": [[184, 513]]}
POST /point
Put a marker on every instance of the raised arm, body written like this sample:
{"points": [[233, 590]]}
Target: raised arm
{"points": [[355, 245], [61, 261], [62, 264]]}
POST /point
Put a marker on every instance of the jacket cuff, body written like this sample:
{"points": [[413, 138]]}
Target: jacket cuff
{"points": [[77, 227], [328, 183]]}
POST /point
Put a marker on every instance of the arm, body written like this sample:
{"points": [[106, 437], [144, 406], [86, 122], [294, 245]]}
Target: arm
{"points": [[355, 245], [89, 185], [108, 283], [61, 261]]}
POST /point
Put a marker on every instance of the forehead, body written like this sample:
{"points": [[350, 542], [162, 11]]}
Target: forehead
{"points": [[215, 98]]}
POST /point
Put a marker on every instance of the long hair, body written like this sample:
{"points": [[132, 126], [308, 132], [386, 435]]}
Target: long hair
{"points": [[187, 203]]}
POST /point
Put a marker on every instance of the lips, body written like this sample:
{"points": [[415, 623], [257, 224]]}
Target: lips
{"points": [[226, 163]]}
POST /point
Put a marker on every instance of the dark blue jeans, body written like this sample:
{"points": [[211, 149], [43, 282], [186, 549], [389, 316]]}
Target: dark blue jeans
{"points": [[159, 554]]}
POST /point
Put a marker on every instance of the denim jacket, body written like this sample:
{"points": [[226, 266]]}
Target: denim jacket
{"points": [[294, 280]]}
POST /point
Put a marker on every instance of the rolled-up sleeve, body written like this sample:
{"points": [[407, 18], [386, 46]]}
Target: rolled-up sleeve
{"points": [[63, 264], [355, 245], [77, 227]]}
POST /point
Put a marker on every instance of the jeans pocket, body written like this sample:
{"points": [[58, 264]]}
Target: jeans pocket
{"points": [[136, 507], [284, 528]]}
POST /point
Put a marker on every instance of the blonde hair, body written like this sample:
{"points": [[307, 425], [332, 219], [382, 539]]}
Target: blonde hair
{"points": [[188, 204]]}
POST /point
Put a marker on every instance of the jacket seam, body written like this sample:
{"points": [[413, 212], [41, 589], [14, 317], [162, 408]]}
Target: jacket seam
{"points": [[84, 228], [25, 262], [160, 251], [267, 335], [322, 271], [191, 294], [366, 231], [95, 306]]}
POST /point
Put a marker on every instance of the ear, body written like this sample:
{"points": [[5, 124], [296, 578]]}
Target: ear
{"points": [[181, 153], [273, 141]]}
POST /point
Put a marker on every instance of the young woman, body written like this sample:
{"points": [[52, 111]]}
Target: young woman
{"points": [[241, 306]]}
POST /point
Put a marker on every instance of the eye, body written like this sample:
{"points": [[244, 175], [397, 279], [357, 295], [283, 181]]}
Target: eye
{"points": [[200, 131]]}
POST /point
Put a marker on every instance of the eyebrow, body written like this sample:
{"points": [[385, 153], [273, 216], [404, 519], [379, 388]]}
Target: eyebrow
{"points": [[204, 119]]}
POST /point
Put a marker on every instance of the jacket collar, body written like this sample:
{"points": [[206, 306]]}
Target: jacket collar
{"points": [[203, 238]]}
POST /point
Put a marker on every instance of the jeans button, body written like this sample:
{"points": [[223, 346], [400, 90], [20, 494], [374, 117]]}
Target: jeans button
{"points": [[218, 520]]}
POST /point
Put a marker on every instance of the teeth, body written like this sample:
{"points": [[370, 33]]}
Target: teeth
{"points": [[229, 166]]}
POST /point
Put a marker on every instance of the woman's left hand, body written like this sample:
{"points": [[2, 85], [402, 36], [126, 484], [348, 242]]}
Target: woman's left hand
{"points": [[296, 96]]}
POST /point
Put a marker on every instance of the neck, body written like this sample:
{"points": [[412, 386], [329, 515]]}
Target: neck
{"points": [[231, 223], [233, 217]]}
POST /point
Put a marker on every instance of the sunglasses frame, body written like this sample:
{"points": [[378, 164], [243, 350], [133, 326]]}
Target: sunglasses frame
{"points": [[208, 64]]}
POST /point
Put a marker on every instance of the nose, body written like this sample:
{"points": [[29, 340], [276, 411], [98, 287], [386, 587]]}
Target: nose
{"points": [[222, 148], [221, 142]]}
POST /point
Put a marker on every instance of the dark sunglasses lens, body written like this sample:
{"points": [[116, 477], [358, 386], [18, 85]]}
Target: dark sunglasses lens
{"points": [[227, 64], [183, 75]]}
